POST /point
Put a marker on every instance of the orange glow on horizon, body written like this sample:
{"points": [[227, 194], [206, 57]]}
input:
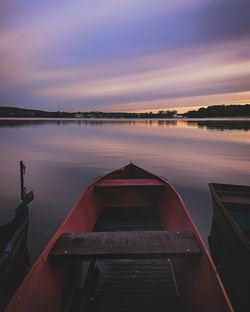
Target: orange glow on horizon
{"points": [[237, 98]]}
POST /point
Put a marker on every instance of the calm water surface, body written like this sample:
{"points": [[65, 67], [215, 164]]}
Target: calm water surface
{"points": [[64, 156]]}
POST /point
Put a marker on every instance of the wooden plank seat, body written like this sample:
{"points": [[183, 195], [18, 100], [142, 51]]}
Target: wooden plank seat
{"points": [[126, 245], [235, 199], [233, 191], [129, 183]]}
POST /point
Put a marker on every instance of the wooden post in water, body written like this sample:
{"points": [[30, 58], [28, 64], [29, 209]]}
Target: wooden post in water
{"points": [[22, 172]]}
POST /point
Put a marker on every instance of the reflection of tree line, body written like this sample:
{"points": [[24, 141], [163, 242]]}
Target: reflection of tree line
{"points": [[98, 122], [221, 125], [208, 124]]}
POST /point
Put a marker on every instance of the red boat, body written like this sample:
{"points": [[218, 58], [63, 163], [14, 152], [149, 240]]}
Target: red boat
{"points": [[129, 244]]}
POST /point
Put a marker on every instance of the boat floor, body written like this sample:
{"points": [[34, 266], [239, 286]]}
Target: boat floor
{"points": [[128, 219], [126, 285], [134, 285]]}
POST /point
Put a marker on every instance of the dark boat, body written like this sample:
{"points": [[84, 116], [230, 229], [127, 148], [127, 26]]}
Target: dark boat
{"points": [[229, 240], [14, 259], [129, 244], [14, 256]]}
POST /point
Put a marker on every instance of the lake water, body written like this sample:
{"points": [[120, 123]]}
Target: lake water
{"points": [[64, 156]]}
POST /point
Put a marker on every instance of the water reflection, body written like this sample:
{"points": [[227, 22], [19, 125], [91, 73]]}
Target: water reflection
{"points": [[215, 124], [221, 125], [64, 156]]}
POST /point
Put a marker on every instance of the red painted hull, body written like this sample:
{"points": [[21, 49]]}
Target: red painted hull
{"points": [[43, 288]]}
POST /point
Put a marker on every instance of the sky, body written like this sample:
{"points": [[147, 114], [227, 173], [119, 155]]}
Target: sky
{"points": [[124, 55]]}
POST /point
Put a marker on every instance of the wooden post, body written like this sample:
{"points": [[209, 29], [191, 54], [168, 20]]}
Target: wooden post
{"points": [[22, 172]]}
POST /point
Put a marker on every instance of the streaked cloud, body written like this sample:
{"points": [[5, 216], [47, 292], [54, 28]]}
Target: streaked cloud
{"points": [[183, 102], [159, 81], [110, 55]]}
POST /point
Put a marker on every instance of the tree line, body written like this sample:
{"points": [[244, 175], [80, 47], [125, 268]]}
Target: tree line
{"points": [[203, 112], [220, 111], [21, 112]]}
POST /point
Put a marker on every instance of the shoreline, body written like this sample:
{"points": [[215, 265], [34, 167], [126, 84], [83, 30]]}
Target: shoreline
{"points": [[131, 119]]}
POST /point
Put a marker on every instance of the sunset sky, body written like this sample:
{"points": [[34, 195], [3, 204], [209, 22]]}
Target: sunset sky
{"points": [[124, 55]]}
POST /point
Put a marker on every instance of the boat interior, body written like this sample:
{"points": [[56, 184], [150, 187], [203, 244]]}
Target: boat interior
{"points": [[135, 202], [125, 284], [229, 240], [236, 200]]}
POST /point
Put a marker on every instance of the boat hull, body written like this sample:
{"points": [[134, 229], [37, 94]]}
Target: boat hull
{"points": [[45, 287], [14, 260]]}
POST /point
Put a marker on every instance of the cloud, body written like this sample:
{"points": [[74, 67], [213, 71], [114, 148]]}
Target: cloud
{"points": [[199, 72], [114, 53], [33, 38], [193, 75], [182, 103]]}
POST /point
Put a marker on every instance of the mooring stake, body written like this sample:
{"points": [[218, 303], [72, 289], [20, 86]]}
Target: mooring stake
{"points": [[22, 173]]}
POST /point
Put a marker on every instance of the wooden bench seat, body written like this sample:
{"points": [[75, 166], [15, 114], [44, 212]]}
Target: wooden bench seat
{"points": [[235, 199], [129, 183], [126, 245]]}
